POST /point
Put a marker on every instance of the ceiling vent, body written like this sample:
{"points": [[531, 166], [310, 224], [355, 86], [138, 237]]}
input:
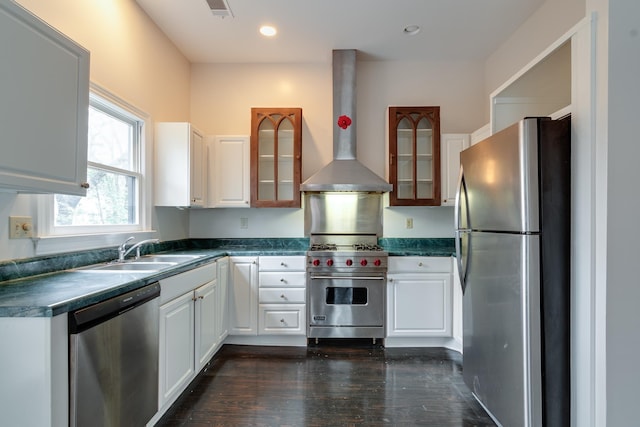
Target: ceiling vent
{"points": [[220, 8]]}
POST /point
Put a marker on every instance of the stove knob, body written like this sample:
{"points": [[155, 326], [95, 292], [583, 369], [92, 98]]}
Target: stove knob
{"points": [[363, 262], [329, 262], [316, 262], [349, 262], [377, 263]]}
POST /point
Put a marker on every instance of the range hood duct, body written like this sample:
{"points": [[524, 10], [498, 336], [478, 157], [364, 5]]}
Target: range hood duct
{"points": [[345, 172]]}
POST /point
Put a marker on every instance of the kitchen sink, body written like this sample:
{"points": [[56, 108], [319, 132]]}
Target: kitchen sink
{"points": [[177, 259], [137, 266]]}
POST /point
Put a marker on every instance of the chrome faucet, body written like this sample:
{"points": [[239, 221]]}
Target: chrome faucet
{"points": [[123, 251]]}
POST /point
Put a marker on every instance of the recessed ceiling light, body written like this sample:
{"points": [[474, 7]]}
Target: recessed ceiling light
{"points": [[268, 31], [411, 30]]}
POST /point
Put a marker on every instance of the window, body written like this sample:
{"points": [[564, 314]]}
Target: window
{"points": [[113, 200]]}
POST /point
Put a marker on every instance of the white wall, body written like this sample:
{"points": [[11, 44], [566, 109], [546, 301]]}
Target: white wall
{"points": [[545, 26], [623, 210], [222, 97], [131, 58]]}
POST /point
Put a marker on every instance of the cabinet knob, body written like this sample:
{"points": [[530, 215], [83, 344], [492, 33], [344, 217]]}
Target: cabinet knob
{"points": [[282, 280], [283, 297], [283, 264], [420, 264], [281, 320], [85, 185]]}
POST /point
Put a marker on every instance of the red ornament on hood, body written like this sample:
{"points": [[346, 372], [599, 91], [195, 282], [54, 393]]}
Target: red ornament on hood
{"points": [[344, 122]]}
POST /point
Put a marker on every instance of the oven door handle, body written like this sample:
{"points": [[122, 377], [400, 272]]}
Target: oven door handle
{"points": [[350, 277]]}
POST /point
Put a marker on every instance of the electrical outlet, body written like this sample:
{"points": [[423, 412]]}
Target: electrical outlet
{"points": [[20, 227], [409, 223], [244, 223]]}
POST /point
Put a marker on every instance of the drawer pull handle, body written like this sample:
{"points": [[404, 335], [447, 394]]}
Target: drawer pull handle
{"points": [[283, 264]]}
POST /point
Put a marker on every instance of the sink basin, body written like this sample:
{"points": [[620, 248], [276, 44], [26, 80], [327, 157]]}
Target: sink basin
{"points": [[137, 266], [176, 259]]}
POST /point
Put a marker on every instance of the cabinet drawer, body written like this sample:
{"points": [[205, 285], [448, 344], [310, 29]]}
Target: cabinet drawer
{"points": [[282, 319], [282, 295], [283, 279], [416, 264], [282, 263]]}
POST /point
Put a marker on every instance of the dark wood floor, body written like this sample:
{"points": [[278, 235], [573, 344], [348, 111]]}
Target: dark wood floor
{"points": [[329, 385]]}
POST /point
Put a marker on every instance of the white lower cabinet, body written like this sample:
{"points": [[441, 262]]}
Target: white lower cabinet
{"points": [[243, 296], [267, 300], [419, 299], [189, 334], [282, 286]]}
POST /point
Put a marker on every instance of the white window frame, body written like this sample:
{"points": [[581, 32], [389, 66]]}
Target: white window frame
{"points": [[52, 238]]}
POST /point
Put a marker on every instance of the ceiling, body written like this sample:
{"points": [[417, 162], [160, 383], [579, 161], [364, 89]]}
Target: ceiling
{"points": [[450, 30]]}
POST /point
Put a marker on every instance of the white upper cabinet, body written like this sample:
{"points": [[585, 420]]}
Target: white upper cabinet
{"points": [[44, 87], [451, 145], [229, 171], [180, 165]]}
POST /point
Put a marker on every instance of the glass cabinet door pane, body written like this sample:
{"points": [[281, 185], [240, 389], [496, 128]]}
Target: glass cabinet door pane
{"points": [[285, 160], [405, 155], [266, 166]]}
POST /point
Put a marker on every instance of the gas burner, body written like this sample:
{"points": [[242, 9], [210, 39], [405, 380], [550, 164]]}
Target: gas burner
{"points": [[323, 247], [366, 247]]}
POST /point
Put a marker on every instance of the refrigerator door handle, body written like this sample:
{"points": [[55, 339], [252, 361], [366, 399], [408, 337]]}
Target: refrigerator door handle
{"points": [[461, 231]]}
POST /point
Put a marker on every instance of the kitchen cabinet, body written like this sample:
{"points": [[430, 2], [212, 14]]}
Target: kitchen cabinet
{"points": [[414, 156], [452, 144], [243, 295], [188, 337], [276, 157], [282, 286], [179, 165], [45, 106], [222, 319], [419, 297], [34, 389], [229, 171]]}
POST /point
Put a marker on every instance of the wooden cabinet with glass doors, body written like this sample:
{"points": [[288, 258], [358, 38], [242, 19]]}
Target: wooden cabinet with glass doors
{"points": [[414, 156], [276, 147]]}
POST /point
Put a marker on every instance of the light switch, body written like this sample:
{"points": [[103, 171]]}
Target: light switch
{"points": [[20, 227]]}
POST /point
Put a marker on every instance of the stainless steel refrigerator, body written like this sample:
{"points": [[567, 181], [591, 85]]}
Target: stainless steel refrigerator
{"points": [[513, 250]]}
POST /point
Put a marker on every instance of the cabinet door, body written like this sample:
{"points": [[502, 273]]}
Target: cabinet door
{"points": [[452, 145], [197, 163], [229, 172], [222, 322], [206, 337], [419, 305], [176, 359], [276, 160], [179, 165], [44, 86], [243, 296], [414, 156]]}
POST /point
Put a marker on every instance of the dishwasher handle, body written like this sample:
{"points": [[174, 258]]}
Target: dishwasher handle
{"points": [[88, 317]]}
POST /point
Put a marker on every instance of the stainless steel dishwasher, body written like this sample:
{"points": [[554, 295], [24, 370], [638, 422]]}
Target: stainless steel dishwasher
{"points": [[113, 360]]}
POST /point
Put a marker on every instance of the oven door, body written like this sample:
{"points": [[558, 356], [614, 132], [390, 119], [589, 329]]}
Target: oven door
{"points": [[346, 301]]}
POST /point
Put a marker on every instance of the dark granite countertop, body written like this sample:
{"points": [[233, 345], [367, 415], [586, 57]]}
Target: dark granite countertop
{"points": [[51, 285]]}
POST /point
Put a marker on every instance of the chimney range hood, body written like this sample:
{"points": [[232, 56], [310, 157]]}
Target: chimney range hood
{"points": [[345, 172]]}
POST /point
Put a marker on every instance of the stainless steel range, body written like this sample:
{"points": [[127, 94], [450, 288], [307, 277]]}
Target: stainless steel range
{"points": [[346, 282], [346, 269]]}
